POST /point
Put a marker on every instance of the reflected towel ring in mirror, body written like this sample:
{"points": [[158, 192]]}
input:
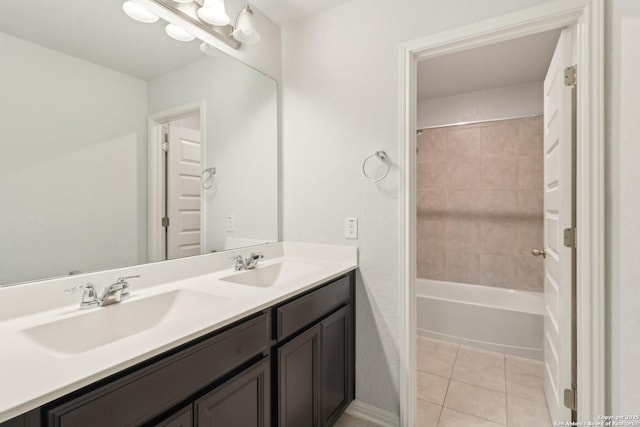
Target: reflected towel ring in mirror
{"points": [[382, 156], [209, 172]]}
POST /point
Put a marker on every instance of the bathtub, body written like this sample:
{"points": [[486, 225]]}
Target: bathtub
{"points": [[495, 319]]}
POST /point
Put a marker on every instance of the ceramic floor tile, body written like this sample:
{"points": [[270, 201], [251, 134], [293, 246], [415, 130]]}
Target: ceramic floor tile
{"points": [[436, 357], [478, 355], [476, 373], [427, 414], [452, 418], [524, 365], [478, 401], [526, 386], [432, 388], [347, 420], [524, 412]]}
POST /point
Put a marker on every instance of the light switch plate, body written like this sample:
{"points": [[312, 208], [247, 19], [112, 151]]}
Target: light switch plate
{"points": [[231, 223], [351, 228]]}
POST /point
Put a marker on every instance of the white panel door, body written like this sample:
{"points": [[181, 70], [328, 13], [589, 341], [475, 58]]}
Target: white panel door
{"points": [[557, 217], [183, 192]]}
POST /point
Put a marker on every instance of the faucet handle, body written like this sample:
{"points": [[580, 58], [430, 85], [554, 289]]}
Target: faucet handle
{"points": [[89, 297], [125, 278]]}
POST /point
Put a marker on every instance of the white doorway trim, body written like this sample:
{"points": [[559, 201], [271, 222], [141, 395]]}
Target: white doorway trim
{"points": [[588, 16], [156, 192]]}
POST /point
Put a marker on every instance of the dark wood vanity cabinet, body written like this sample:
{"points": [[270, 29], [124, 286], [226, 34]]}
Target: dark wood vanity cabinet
{"points": [[291, 365], [316, 368]]}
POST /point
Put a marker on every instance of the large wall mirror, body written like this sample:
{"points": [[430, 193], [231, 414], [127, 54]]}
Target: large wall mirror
{"points": [[122, 146]]}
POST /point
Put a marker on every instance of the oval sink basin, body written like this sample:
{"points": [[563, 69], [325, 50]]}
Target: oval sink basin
{"points": [[104, 325], [272, 275]]}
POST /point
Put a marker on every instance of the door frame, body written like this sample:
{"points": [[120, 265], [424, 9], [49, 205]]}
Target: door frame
{"points": [[588, 17], [156, 121]]}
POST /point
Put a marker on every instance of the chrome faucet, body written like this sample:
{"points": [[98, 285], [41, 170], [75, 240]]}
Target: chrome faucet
{"points": [[248, 263], [112, 294]]}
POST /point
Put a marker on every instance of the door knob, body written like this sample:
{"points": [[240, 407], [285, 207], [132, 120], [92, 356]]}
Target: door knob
{"points": [[539, 252]]}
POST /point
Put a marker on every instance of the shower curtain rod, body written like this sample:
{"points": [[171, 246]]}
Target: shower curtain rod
{"points": [[473, 122]]}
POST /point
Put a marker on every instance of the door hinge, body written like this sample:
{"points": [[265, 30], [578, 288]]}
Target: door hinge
{"points": [[570, 237], [165, 221], [570, 76], [570, 399], [165, 141]]}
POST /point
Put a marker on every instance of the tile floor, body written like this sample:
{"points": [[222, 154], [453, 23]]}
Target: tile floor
{"points": [[347, 420], [465, 386]]}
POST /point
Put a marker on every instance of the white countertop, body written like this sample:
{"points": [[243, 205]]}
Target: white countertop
{"points": [[31, 376]]}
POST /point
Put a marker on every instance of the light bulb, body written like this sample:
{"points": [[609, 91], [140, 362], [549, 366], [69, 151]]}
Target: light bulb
{"points": [[139, 13], [178, 33], [245, 31], [213, 12]]}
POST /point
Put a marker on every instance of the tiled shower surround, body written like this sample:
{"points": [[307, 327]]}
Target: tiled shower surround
{"points": [[480, 205]]}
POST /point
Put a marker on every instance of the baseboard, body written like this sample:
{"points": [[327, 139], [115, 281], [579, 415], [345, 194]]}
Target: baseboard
{"points": [[373, 414]]}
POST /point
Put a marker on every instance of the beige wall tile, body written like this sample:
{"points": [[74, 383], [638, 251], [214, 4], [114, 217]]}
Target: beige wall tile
{"points": [[531, 203], [531, 137], [463, 174], [480, 194], [500, 173], [431, 234], [530, 236], [530, 172], [432, 145], [500, 140], [462, 236], [432, 175], [498, 270], [530, 273], [463, 142], [462, 267], [499, 237], [431, 264], [431, 203], [481, 402]]}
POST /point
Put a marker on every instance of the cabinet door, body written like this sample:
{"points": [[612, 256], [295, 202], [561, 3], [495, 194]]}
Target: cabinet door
{"points": [[299, 381], [243, 401], [337, 356]]}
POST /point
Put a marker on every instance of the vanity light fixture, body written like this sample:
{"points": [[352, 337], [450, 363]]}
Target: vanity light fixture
{"points": [[207, 49], [178, 33], [138, 12], [245, 31], [214, 13]]}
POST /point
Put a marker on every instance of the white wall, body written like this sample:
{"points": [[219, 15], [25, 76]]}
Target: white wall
{"points": [[340, 72], [74, 136], [492, 104], [623, 205], [241, 142]]}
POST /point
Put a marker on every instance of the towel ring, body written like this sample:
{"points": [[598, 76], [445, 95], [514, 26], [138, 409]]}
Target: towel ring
{"points": [[203, 180], [382, 156]]}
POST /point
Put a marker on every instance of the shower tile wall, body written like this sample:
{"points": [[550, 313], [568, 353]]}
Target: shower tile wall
{"points": [[480, 203]]}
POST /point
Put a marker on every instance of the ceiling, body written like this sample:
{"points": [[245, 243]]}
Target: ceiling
{"points": [[284, 11], [508, 63]]}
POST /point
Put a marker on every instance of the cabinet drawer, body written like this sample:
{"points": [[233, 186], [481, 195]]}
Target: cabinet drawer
{"points": [[143, 394], [301, 312]]}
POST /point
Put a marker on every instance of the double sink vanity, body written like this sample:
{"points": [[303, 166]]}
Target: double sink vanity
{"points": [[191, 342]]}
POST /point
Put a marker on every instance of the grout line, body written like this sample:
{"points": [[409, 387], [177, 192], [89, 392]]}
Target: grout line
{"points": [[455, 359]]}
